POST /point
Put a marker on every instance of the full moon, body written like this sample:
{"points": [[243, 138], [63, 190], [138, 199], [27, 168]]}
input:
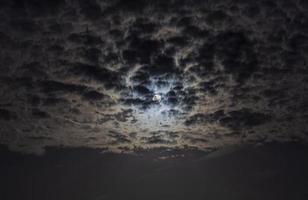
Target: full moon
{"points": [[156, 98]]}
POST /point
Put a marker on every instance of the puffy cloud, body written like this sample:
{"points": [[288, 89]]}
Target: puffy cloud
{"points": [[84, 73]]}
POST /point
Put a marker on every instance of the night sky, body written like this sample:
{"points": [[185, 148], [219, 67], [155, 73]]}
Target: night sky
{"points": [[153, 99]]}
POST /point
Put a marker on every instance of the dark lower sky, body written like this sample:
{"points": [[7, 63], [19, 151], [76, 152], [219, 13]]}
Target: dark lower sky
{"points": [[134, 79], [273, 171]]}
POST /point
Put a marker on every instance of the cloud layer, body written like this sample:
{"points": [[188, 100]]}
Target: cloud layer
{"points": [[84, 73]]}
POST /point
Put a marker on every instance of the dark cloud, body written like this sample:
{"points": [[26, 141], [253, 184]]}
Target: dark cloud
{"points": [[197, 140], [93, 95], [50, 86], [141, 50], [140, 103], [205, 118], [195, 31], [25, 26], [162, 64], [85, 38], [91, 9], [237, 54], [172, 97], [124, 115], [219, 68], [34, 70], [208, 86], [161, 137], [130, 6], [141, 77], [107, 77], [118, 138], [142, 27], [245, 118], [142, 90], [237, 119], [39, 114], [50, 101], [179, 41], [7, 115]]}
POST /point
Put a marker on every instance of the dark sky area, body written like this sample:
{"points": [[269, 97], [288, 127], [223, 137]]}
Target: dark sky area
{"points": [[153, 99]]}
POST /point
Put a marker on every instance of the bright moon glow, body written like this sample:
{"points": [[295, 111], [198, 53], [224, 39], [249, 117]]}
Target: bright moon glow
{"points": [[156, 98]]}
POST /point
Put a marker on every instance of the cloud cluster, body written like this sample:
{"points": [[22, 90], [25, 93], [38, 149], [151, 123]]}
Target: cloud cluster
{"points": [[84, 73]]}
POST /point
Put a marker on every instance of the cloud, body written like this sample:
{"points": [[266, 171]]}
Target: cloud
{"points": [[245, 118], [39, 114], [223, 69], [118, 138], [7, 115], [109, 78]]}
